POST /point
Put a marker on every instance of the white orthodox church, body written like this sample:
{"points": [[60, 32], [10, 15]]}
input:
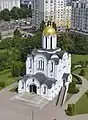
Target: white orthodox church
{"points": [[48, 70]]}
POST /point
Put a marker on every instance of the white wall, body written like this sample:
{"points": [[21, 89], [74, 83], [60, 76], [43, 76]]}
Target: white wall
{"points": [[20, 90]]}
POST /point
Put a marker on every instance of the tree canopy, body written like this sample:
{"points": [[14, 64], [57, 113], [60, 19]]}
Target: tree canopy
{"points": [[16, 13]]}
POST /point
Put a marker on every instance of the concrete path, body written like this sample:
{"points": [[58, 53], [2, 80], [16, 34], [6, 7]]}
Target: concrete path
{"points": [[83, 88], [17, 111]]}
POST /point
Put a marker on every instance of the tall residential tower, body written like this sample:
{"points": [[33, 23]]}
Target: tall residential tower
{"points": [[79, 20], [50, 10], [9, 4]]}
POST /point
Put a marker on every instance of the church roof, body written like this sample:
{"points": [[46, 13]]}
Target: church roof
{"points": [[49, 82], [48, 55], [60, 53], [40, 77], [49, 30], [56, 60], [27, 76]]}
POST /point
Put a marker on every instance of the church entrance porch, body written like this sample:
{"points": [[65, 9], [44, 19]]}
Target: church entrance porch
{"points": [[33, 89]]}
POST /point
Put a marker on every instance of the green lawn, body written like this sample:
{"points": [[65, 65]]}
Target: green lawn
{"points": [[7, 78], [76, 58], [82, 105]]}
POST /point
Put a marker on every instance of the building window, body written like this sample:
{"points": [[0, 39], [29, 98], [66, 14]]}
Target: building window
{"points": [[30, 63], [33, 80], [44, 90], [46, 42], [51, 66], [41, 65], [81, 5], [76, 5], [51, 43]]}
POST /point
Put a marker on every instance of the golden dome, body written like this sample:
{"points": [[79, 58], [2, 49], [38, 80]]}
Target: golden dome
{"points": [[49, 30]]}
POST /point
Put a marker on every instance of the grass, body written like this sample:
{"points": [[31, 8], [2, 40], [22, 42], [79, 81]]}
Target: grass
{"points": [[15, 89], [82, 105], [69, 95], [76, 58], [7, 78]]}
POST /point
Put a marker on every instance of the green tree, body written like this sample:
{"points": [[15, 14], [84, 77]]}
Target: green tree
{"points": [[17, 33], [5, 15], [15, 13], [22, 68], [29, 44], [42, 25], [15, 70], [65, 42], [22, 13]]}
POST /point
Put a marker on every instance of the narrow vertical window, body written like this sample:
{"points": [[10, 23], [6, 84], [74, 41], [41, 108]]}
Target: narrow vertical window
{"points": [[46, 42], [51, 43], [30, 63], [44, 90], [43, 65], [39, 64], [52, 67]]}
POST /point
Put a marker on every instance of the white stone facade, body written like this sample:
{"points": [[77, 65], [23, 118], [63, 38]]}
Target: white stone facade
{"points": [[9, 4], [47, 69]]}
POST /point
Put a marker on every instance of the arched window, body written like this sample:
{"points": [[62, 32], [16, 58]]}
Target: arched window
{"points": [[40, 64]]}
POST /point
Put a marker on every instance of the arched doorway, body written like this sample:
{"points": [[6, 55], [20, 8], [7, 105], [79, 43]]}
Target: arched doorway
{"points": [[33, 88]]}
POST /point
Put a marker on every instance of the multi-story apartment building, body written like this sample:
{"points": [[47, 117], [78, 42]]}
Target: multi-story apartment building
{"points": [[79, 20], [9, 4], [50, 10], [68, 10]]}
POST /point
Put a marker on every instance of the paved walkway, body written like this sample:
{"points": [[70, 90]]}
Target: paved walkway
{"points": [[17, 111], [83, 88]]}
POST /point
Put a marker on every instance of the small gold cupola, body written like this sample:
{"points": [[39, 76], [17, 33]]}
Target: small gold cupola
{"points": [[49, 30], [49, 38]]}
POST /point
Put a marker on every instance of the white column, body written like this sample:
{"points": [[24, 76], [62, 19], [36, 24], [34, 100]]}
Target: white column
{"points": [[44, 42], [48, 42]]}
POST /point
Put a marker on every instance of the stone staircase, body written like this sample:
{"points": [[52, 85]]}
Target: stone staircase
{"points": [[29, 99], [60, 97]]}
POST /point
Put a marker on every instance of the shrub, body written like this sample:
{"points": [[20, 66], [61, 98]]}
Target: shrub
{"points": [[86, 92], [2, 84], [82, 72], [72, 88], [70, 110], [79, 81], [15, 69]]}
